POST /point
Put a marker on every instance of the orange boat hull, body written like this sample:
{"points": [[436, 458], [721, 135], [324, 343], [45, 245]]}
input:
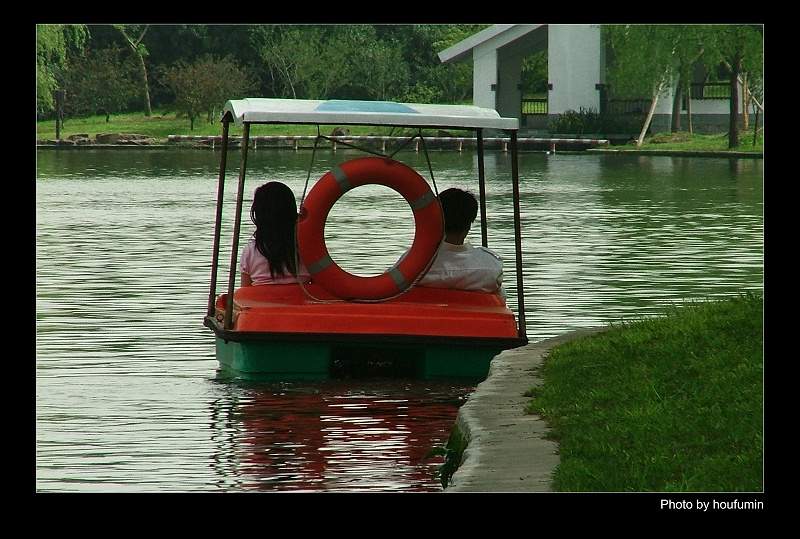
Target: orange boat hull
{"points": [[452, 332], [421, 311]]}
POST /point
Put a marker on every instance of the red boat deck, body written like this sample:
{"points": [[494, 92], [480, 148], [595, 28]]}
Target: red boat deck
{"points": [[421, 311]]}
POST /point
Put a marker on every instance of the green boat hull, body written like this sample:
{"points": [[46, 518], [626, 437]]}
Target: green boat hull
{"points": [[292, 360]]}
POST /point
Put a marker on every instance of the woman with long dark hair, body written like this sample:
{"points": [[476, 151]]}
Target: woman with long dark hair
{"points": [[269, 258]]}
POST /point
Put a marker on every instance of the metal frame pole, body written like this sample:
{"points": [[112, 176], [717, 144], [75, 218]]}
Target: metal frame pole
{"points": [[228, 323], [522, 330], [482, 188], [223, 163]]}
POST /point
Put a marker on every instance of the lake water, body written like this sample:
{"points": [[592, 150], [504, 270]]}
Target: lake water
{"points": [[128, 397]]}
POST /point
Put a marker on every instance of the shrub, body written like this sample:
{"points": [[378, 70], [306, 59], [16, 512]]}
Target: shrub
{"points": [[590, 121]]}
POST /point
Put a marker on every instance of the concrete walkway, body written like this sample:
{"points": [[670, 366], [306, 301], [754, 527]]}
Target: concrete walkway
{"points": [[506, 448]]}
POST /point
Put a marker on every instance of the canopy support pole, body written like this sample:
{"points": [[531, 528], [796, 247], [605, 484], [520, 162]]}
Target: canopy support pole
{"points": [[223, 163], [522, 331], [482, 188], [228, 323]]}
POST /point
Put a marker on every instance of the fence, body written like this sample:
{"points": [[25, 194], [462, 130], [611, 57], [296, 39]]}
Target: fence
{"points": [[535, 106], [710, 90], [627, 106], [700, 90]]}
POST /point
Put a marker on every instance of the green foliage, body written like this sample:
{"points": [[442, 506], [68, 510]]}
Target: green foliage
{"points": [[534, 73], [663, 404], [432, 81], [388, 71], [204, 85], [54, 42], [381, 62], [102, 81], [134, 35], [740, 48], [590, 121], [644, 58], [363, 62], [725, 43], [453, 453]]}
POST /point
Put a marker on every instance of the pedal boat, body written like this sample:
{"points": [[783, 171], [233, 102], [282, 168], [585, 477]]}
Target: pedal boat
{"points": [[307, 331]]}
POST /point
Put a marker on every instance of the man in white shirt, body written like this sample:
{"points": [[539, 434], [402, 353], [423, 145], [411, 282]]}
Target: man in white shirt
{"points": [[458, 264]]}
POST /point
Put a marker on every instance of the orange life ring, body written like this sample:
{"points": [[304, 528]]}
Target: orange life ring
{"points": [[428, 233]]}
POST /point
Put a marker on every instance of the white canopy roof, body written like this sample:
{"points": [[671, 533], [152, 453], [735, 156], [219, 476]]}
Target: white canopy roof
{"points": [[347, 112]]}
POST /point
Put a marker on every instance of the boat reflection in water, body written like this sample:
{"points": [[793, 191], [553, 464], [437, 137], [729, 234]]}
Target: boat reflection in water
{"points": [[335, 435]]}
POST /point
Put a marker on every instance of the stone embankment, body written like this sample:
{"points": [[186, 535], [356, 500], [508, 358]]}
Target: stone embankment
{"points": [[507, 450], [443, 142], [115, 139]]}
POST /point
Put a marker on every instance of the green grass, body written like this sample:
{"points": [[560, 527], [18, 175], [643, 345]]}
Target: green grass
{"points": [[453, 452], [698, 142], [669, 404], [162, 124]]}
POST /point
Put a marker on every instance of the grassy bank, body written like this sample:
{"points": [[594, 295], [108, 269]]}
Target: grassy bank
{"points": [[699, 143], [162, 124], [664, 404]]}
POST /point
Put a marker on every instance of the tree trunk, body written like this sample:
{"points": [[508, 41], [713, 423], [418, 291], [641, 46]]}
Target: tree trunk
{"points": [[60, 95], [755, 130], [284, 69], [733, 124], [143, 69], [649, 118], [745, 103], [108, 116], [689, 109], [134, 45], [676, 107]]}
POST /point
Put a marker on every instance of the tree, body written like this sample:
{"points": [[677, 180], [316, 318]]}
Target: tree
{"points": [[534, 73], [373, 66], [186, 83], [740, 48], [223, 79], [323, 62], [326, 62], [688, 50], [102, 81], [206, 84], [397, 62], [53, 45], [386, 73], [433, 81], [644, 58], [274, 45], [139, 51]]}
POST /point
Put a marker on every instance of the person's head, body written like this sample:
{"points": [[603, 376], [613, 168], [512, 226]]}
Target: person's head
{"points": [[460, 209], [274, 212]]}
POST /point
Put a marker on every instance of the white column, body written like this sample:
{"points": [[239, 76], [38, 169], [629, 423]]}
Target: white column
{"points": [[484, 76], [574, 63], [508, 95]]}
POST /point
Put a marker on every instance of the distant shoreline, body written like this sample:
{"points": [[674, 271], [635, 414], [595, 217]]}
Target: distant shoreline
{"points": [[604, 151], [304, 142]]}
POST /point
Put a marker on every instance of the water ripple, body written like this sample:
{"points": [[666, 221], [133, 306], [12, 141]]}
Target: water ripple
{"points": [[127, 398]]}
